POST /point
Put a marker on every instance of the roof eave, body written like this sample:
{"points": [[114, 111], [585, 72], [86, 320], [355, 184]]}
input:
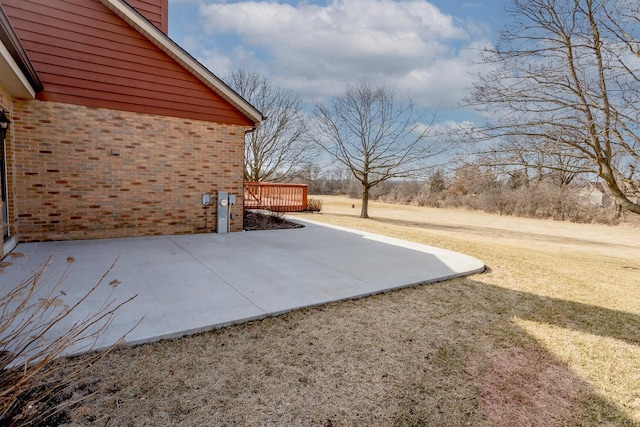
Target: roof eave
{"points": [[157, 37], [20, 77]]}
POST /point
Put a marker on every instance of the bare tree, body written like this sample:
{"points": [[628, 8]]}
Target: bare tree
{"points": [[538, 159], [374, 135], [565, 83], [276, 150]]}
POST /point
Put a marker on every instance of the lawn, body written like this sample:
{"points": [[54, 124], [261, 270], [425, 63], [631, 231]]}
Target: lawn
{"points": [[549, 335]]}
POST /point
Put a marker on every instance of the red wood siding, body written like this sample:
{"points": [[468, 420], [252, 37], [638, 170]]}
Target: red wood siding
{"points": [[156, 11], [86, 55]]}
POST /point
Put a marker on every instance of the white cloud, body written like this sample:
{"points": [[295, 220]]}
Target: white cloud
{"points": [[213, 59], [449, 126], [317, 49]]}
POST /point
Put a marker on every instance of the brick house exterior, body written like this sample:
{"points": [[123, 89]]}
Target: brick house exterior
{"points": [[125, 132]]}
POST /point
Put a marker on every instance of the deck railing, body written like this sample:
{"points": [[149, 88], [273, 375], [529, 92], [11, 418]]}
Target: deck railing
{"points": [[275, 197]]}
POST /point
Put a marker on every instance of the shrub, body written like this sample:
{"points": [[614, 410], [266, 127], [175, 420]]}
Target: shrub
{"points": [[314, 205], [32, 378]]}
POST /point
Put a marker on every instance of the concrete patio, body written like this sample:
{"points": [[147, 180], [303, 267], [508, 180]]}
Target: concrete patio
{"points": [[191, 283]]}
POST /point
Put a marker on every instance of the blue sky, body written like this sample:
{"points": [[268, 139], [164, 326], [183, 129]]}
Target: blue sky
{"points": [[422, 48]]}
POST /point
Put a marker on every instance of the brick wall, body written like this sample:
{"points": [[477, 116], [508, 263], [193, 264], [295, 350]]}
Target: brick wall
{"points": [[85, 172], [6, 100], [6, 103]]}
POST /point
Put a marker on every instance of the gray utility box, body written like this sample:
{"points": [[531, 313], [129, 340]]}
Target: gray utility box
{"points": [[225, 201]]}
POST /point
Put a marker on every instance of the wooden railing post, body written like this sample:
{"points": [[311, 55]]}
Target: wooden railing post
{"points": [[305, 202]]}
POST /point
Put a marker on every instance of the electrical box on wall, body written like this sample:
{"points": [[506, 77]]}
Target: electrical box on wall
{"points": [[223, 212], [206, 199], [225, 201]]}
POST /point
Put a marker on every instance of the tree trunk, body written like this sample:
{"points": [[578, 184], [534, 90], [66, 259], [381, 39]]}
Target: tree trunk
{"points": [[620, 198], [364, 213]]}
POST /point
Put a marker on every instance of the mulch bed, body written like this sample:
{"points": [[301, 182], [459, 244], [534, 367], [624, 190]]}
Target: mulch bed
{"points": [[254, 220]]}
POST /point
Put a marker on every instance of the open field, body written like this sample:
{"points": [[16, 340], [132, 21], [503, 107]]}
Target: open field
{"points": [[549, 336]]}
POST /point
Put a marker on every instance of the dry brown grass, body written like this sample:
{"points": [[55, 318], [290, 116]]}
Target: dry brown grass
{"points": [[550, 336]]}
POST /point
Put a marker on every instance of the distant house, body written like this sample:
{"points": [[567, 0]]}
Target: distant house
{"points": [[115, 130], [594, 194]]}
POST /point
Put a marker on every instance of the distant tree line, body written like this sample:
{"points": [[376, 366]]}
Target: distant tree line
{"points": [[476, 186]]}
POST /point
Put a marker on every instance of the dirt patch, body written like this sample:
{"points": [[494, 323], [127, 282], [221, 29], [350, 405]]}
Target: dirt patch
{"points": [[254, 220], [526, 386]]}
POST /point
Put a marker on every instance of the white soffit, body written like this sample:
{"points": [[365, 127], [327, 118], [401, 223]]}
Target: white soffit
{"points": [[12, 78], [157, 37]]}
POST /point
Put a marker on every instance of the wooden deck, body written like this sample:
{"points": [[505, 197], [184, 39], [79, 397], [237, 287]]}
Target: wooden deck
{"points": [[275, 197]]}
